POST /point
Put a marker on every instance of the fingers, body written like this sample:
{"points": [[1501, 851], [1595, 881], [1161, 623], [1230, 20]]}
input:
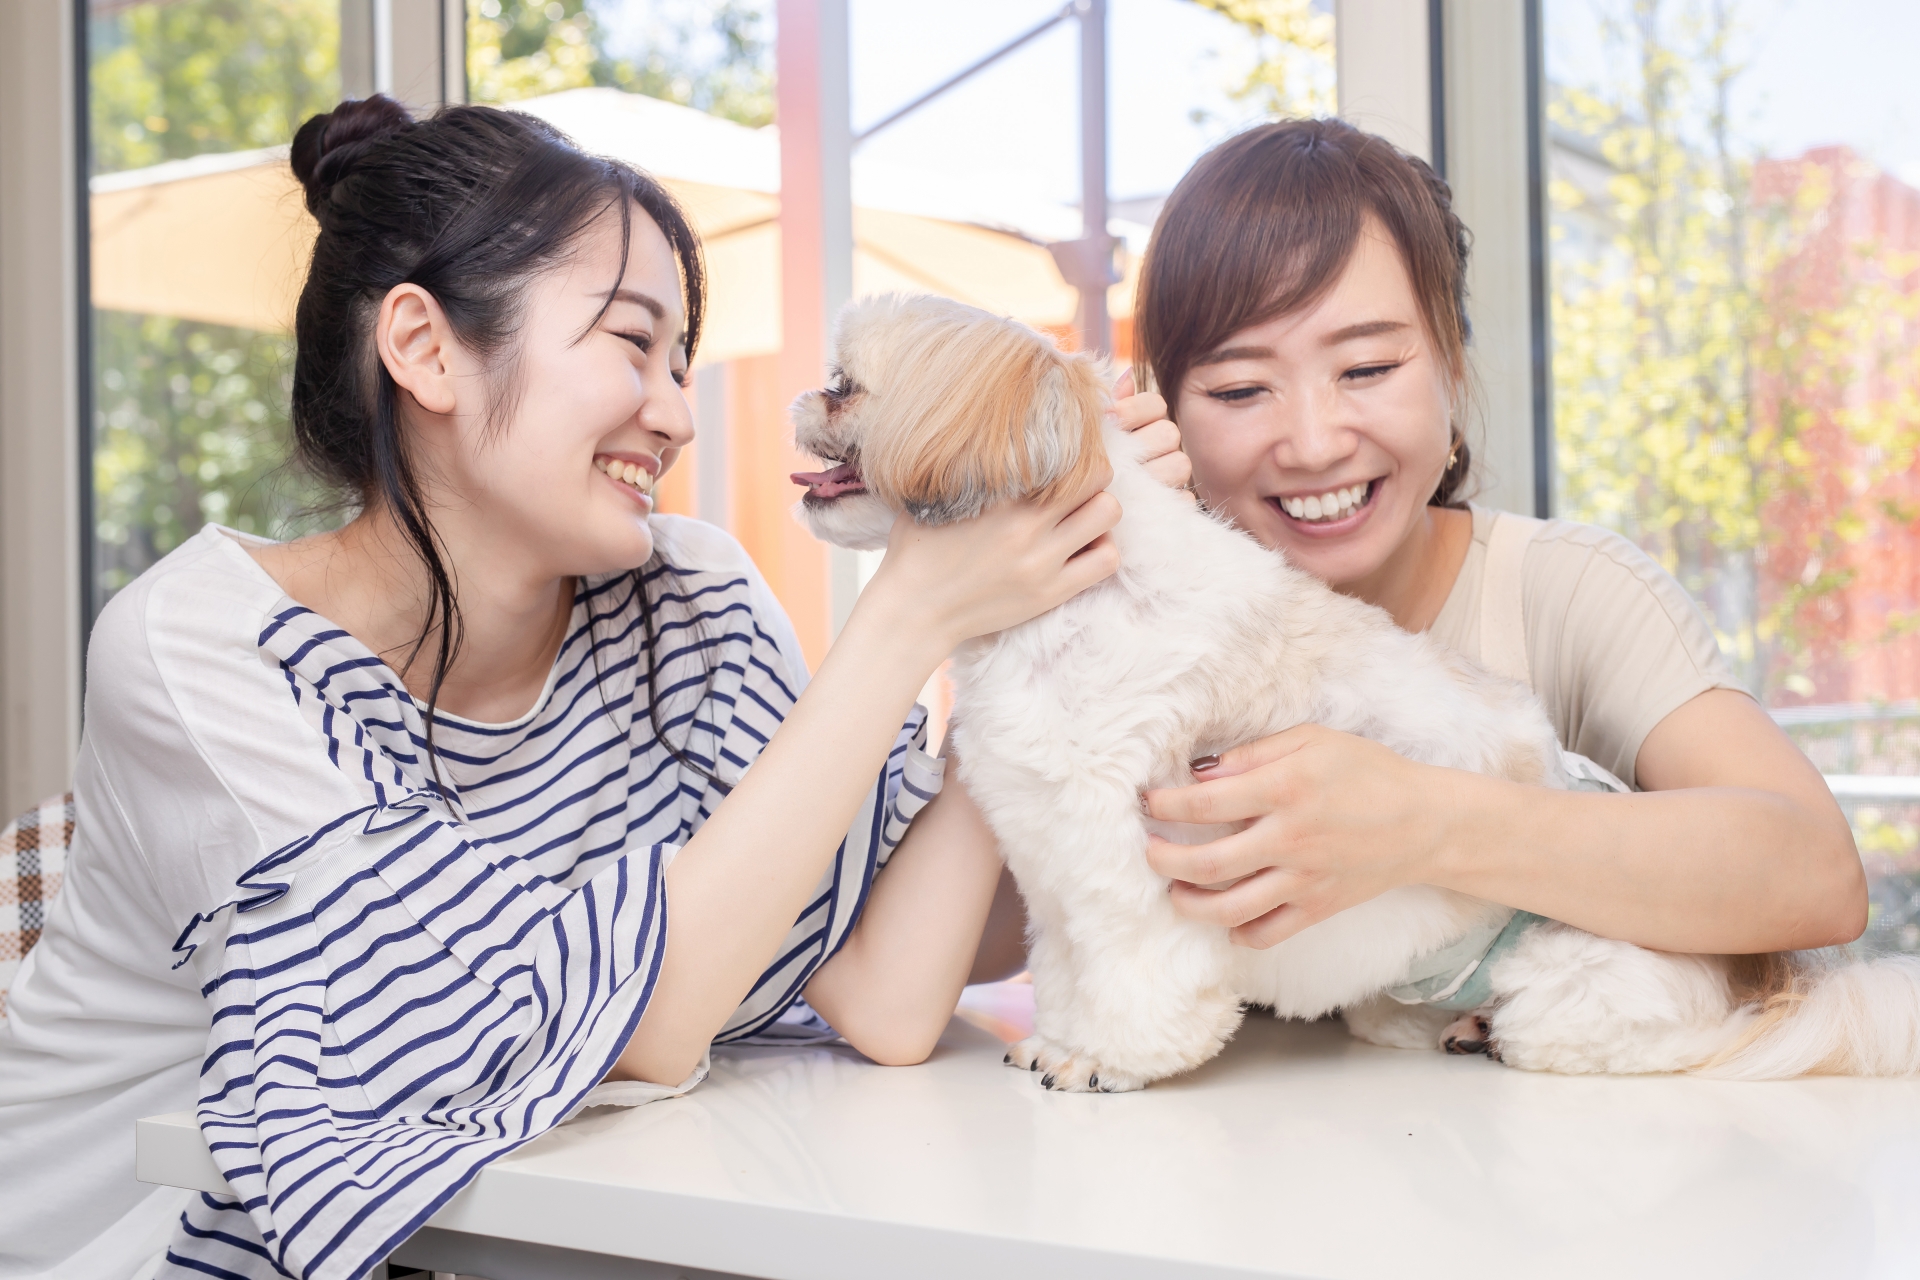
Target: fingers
{"points": [[1087, 521], [1228, 908], [1231, 799], [1174, 470], [1157, 440], [1136, 411], [1251, 755], [1215, 862], [1123, 387]]}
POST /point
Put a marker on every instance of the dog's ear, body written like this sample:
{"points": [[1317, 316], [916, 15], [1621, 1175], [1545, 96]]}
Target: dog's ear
{"points": [[981, 410]]}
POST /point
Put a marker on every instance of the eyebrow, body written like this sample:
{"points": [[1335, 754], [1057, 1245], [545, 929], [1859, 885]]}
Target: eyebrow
{"points": [[651, 303], [1224, 354], [1366, 329]]}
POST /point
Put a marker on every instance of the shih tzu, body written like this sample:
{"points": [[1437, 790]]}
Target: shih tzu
{"points": [[1205, 640]]}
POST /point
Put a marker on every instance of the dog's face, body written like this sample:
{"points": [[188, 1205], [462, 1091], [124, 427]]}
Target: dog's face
{"points": [[941, 410]]}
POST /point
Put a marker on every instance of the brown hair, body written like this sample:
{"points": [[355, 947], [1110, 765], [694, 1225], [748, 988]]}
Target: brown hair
{"points": [[1263, 225]]}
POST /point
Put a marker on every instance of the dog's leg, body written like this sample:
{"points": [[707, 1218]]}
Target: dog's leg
{"points": [[1567, 1001], [1125, 992], [1385, 1021]]}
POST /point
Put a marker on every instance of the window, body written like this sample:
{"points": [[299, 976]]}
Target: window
{"points": [[194, 266], [1734, 190]]}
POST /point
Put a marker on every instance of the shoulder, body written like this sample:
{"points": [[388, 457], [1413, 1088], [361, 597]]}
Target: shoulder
{"points": [[1597, 573], [200, 607]]}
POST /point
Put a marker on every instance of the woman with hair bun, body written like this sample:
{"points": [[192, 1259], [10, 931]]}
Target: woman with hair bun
{"points": [[398, 844], [1303, 309]]}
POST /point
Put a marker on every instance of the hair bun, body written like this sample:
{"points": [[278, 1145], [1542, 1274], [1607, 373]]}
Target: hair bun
{"points": [[325, 149]]}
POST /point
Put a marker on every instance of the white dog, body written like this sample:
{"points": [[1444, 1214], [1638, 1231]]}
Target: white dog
{"points": [[1205, 640]]}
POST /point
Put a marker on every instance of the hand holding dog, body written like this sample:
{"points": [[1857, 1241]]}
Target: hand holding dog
{"points": [[1328, 821], [1144, 414], [1014, 562]]}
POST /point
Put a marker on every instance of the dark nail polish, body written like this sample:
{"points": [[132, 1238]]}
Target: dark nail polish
{"points": [[1204, 763]]}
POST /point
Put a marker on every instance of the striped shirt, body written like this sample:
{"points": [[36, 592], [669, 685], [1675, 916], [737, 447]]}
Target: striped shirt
{"points": [[431, 971]]}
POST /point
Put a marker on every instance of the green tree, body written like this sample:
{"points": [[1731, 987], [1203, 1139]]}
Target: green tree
{"points": [[1293, 74], [1710, 334], [191, 419], [716, 58]]}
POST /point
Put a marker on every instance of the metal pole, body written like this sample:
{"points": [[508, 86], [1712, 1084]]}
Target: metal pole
{"points": [[1096, 334]]}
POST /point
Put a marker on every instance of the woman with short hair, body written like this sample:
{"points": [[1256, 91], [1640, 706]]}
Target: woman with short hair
{"points": [[1303, 309]]}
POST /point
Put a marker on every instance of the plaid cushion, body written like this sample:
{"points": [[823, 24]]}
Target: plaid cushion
{"points": [[33, 856]]}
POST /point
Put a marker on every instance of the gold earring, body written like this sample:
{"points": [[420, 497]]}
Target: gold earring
{"points": [[1453, 457]]}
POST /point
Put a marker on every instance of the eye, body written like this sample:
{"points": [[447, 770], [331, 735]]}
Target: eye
{"points": [[1370, 372], [644, 341], [1234, 395]]}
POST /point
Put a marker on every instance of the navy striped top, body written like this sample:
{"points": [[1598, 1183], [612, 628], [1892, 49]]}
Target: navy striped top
{"points": [[446, 969]]}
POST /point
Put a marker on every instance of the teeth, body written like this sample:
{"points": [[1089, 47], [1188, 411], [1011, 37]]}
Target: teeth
{"points": [[627, 473], [1326, 506]]}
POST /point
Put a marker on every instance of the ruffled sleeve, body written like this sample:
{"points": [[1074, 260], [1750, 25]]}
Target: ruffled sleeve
{"points": [[401, 997]]}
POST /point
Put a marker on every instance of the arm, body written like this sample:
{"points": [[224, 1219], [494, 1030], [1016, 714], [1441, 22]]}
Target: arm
{"points": [[736, 888], [1737, 846], [893, 986]]}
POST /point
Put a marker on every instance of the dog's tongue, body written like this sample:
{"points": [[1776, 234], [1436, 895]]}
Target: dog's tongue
{"points": [[844, 478]]}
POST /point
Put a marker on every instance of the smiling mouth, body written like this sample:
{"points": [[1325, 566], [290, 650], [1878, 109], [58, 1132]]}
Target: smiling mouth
{"points": [[631, 474], [1327, 508], [836, 482]]}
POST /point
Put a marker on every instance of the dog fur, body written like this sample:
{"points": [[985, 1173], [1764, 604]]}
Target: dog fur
{"points": [[1205, 640]]}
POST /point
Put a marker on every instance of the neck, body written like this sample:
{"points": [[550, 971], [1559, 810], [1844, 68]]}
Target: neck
{"points": [[367, 578], [1416, 579]]}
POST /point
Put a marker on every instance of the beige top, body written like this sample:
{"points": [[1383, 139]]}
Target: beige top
{"points": [[1614, 644]]}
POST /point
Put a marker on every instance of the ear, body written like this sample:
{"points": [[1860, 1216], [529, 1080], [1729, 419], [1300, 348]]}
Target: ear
{"points": [[1065, 451], [417, 344]]}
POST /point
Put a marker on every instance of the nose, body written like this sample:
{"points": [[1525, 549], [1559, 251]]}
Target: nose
{"points": [[1313, 436], [667, 415]]}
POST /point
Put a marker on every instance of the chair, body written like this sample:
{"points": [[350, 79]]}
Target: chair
{"points": [[33, 858]]}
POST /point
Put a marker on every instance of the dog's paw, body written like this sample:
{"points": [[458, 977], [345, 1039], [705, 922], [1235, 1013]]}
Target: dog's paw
{"points": [[1063, 1071], [1470, 1033]]}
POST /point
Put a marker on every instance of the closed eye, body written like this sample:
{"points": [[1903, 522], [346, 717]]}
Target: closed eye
{"points": [[1370, 372], [1234, 395]]}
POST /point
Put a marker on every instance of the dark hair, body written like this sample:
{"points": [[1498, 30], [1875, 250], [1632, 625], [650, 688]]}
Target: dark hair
{"points": [[470, 204], [1263, 225]]}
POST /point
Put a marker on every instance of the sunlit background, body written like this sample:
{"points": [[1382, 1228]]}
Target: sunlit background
{"points": [[1734, 267]]}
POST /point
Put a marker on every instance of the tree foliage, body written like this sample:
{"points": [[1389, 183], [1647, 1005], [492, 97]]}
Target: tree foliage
{"points": [[190, 419], [714, 57], [1723, 355], [1293, 69]]}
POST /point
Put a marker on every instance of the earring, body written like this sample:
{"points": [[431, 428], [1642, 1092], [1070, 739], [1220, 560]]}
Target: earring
{"points": [[1453, 457]]}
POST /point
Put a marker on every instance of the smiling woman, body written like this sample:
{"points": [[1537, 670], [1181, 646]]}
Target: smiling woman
{"points": [[1303, 308], [398, 844]]}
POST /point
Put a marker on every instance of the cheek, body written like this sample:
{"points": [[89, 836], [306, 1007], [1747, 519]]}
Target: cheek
{"points": [[1226, 456]]}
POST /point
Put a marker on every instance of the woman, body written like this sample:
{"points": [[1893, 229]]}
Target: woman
{"points": [[444, 818], [1303, 309]]}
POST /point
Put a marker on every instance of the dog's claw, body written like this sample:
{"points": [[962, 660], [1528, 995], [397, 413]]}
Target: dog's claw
{"points": [[1093, 1081], [1046, 1081]]}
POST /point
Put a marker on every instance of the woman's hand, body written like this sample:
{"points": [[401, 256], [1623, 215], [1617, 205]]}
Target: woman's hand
{"points": [[952, 582], [1329, 821], [1145, 415]]}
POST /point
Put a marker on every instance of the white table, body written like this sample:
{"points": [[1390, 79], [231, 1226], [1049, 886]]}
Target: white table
{"points": [[1298, 1153]]}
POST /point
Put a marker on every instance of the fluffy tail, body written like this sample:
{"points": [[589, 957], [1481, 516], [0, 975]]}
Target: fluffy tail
{"points": [[1856, 1018]]}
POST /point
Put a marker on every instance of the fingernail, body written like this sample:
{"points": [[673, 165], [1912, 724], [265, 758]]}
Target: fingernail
{"points": [[1144, 806], [1204, 763]]}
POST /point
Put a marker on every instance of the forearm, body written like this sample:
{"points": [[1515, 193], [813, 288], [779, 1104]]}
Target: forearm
{"points": [[736, 888], [893, 986], [1701, 869]]}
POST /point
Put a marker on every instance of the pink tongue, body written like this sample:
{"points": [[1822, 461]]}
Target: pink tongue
{"points": [[844, 478]]}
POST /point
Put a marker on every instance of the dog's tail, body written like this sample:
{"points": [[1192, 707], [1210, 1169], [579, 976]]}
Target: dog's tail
{"points": [[1855, 1018]]}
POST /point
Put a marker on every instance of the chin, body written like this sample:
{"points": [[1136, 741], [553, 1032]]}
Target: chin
{"points": [[857, 521]]}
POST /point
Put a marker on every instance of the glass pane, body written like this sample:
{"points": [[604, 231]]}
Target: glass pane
{"points": [[1735, 205], [198, 246]]}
